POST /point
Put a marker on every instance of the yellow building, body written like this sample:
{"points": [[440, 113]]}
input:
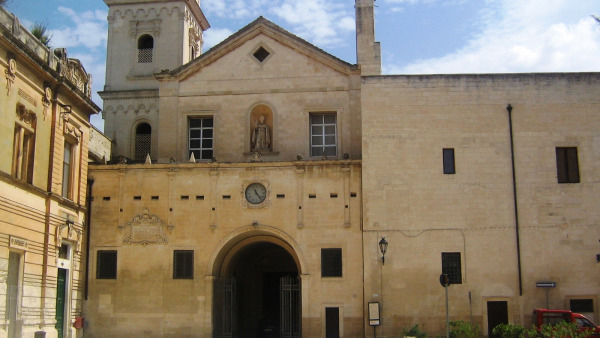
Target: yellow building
{"points": [[45, 108], [252, 185]]}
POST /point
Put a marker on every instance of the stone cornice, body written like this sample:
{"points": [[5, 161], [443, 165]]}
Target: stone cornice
{"points": [[129, 94]]}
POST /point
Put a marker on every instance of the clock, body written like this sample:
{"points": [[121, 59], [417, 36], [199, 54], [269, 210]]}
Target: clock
{"points": [[255, 193]]}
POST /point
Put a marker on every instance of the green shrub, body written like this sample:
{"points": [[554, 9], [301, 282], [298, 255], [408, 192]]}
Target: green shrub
{"points": [[414, 332], [562, 329], [462, 329], [510, 331]]}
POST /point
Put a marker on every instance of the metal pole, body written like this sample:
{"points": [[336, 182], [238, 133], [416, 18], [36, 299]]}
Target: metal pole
{"points": [[447, 316]]}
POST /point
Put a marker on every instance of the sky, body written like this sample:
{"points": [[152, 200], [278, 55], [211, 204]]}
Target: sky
{"points": [[417, 36]]}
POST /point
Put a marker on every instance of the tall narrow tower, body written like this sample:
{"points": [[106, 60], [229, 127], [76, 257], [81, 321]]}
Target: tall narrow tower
{"points": [[368, 52], [144, 37]]}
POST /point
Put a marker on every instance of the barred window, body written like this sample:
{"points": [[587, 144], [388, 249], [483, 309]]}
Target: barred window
{"points": [[331, 262], [183, 264], [145, 48], [201, 138], [143, 141], [106, 264], [452, 267]]}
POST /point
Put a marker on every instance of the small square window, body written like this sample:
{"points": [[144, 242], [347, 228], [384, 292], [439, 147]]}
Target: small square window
{"points": [[261, 54], [567, 165], [331, 262], [448, 154], [452, 267], [106, 264], [183, 264]]}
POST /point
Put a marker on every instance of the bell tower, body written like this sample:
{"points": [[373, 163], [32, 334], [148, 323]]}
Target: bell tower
{"points": [[368, 52], [144, 37]]}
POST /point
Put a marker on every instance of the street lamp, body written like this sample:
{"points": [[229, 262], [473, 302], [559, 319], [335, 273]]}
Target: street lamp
{"points": [[383, 244]]}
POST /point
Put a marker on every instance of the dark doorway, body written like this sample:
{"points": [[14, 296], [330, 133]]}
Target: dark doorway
{"points": [[257, 293], [497, 314], [332, 322]]}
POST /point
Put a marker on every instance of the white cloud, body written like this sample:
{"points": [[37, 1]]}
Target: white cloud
{"points": [[235, 9], [524, 36], [215, 35], [323, 22], [89, 29]]}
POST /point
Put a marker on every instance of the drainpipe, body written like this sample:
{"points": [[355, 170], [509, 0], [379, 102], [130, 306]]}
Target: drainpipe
{"points": [[88, 218], [509, 109]]}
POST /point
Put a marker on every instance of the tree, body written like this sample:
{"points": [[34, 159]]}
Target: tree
{"points": [[40, 31]]}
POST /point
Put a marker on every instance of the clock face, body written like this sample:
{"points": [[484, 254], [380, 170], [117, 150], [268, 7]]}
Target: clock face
{"points": [[256, 193]]}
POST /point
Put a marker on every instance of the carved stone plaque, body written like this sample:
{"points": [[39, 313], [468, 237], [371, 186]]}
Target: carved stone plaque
{"points": [[144, 229]]}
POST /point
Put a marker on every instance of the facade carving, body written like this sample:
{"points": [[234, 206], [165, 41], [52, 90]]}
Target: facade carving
{"points": [[145, 229], [11, 73]]}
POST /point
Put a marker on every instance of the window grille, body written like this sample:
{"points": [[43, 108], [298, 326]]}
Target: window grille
{"points": [[331, 262], [452, 267], [145, 55], [143, 141], [183, 264], [106, 264]]}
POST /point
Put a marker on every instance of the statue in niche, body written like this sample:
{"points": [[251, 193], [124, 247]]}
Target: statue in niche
{"points": [[261, 136]]}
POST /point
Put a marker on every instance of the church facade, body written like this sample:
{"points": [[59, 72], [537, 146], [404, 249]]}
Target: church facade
{"points": [[254, 183]]}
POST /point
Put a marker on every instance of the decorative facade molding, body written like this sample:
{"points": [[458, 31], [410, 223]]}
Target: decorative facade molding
{"points": [[11, 73], [73, 234], [47, 100], [145, 229], [26, 116], [73, 71], [137, 27]]}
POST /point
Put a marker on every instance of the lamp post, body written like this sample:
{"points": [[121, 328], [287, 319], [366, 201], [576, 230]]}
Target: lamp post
{"points": [[383, 244]]}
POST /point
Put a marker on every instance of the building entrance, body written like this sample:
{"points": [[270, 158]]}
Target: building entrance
{"points": [[259, 294]]}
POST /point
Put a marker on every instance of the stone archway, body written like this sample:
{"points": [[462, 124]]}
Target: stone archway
{"points": [[256, 291]]}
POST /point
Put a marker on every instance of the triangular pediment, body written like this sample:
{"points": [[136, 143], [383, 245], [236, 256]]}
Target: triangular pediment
{"points": [[260, 28]]}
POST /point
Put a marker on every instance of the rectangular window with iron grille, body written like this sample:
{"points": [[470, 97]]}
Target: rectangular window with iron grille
{"points": [[183, 264], [323, 134], [451, 266], [331, 262], [201, 138], [106, 264]]}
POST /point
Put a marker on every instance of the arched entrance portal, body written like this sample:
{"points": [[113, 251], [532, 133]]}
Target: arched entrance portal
{"points": [[257, 292]]}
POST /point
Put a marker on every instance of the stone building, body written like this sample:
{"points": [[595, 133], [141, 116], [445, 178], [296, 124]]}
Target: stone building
{"points": [[255, 181], [45, 109]]}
